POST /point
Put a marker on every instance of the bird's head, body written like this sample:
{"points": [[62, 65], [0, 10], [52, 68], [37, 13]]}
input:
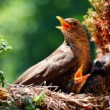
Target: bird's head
{"points": [[71, 28], [79, 80], [75, 36]]}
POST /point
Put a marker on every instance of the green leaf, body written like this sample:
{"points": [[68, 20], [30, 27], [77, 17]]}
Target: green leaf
{"points": [[38, 99], [7, 105], [29, 105], [2, 79], [4, 46]]}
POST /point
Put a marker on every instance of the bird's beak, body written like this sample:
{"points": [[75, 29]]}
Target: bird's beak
{"points": [[79, 78], [78, 74], [64, 24]]}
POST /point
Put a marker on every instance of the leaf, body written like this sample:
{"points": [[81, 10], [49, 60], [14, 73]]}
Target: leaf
{"points": [[4, 46], [29, 105], [38, 99], [2, 79], [7, 105]]}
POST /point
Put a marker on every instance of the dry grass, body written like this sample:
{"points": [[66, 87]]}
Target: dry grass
{"points": [[58, 100]]}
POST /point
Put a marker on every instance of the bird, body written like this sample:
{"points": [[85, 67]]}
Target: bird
{"points": [[59, 68], [78, 81], [99, 80]]}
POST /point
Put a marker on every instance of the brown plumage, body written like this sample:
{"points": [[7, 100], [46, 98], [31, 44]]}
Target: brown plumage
{"points": [[60, 66]]}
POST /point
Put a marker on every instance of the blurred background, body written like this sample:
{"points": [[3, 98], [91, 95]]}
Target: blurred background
{"points": [[29, 27]]}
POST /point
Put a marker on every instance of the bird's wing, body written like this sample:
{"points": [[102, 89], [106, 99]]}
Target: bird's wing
{"points": [[54, 65]]}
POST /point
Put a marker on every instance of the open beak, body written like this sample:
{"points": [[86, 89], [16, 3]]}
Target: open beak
{"points": [[64, 24], [79, 78]]}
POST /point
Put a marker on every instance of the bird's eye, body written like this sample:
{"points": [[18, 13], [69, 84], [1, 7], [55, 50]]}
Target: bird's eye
{"points": [[75, 23]]}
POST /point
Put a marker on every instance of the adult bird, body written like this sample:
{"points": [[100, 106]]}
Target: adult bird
{"points": [[60, 66]]}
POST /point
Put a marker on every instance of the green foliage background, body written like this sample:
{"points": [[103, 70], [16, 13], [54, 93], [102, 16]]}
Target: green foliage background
{"points": [[29, 26]]}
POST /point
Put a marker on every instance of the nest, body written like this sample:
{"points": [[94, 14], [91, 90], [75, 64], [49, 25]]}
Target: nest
{"points": [[15, 94]]}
